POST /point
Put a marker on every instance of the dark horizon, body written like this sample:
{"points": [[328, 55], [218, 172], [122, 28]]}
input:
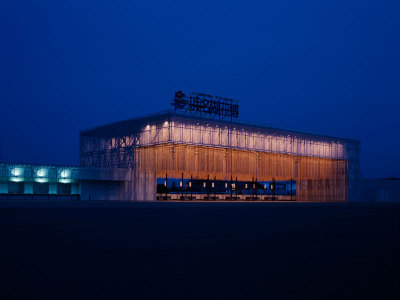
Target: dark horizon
{"points": [[330, 67]]}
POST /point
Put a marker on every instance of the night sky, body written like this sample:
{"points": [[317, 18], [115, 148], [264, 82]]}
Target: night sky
{"points": [[327, 66]]}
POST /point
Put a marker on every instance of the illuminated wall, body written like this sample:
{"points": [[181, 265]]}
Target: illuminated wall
{"points": [[240, 137], [217, 135], [318, 179]]}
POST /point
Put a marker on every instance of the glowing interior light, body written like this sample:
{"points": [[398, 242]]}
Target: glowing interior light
{"points": [[180, 184], [204, 184], [213, 185], [265, 186], [17, 171], [190, 184], [165, 183], [65, 173], [42, 172], [226, 185], [245, 186]]}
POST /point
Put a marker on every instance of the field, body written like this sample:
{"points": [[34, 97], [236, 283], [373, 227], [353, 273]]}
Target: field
{"points": [[170, 250]]}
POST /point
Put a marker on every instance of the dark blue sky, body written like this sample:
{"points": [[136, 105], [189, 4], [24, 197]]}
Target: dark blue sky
{"points": [[328, 66]]}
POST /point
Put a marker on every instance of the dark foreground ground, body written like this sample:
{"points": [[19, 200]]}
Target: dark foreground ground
{"points": [[199, 250]]}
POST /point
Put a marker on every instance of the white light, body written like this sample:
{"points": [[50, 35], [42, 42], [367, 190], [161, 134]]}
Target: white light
{"points": [[42, 172], [65, 180], [16, 179], [65, 173], [41, 180], [17, 171]]}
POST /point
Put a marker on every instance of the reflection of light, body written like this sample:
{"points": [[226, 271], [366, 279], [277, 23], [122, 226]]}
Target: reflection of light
{"points": [[65, 173], [41, 180], [17, 171], [16, 179], [65, 180]]}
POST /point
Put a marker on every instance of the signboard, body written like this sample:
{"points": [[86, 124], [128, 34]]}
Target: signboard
{"points": [[206, 105]]}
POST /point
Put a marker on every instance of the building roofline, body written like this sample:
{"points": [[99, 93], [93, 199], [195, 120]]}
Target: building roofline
{"points": [[170, 115]]}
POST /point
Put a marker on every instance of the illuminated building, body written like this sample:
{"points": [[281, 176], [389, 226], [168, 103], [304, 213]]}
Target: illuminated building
{"points": [[169, 147], [200, 154]]}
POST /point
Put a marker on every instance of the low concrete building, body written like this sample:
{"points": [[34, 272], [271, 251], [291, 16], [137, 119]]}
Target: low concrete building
{"points": [[31, 181]]}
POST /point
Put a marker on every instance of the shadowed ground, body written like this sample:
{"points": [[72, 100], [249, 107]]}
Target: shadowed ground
{"points": [[199, 250]]}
